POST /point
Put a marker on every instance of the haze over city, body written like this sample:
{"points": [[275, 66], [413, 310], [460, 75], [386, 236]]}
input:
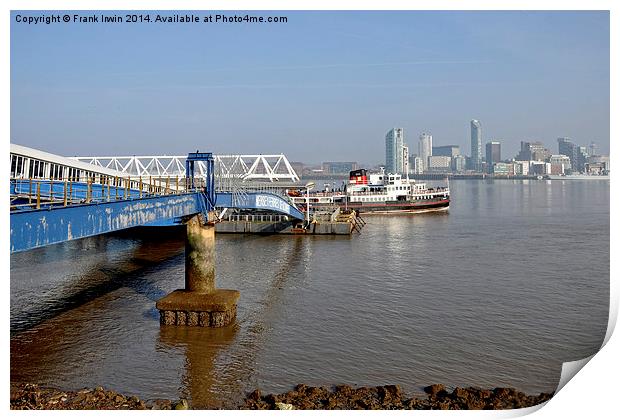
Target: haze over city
{"points": [[323, 86]]}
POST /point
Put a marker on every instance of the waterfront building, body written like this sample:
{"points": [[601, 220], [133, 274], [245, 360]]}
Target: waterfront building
{"points": [[339, 167], [394, 142], [556, 169], [533, 151], [596, 168], [439, 164], [540, 168], [459, 163], [493, 152], [538, 151], [405, 159], [425, 148], [476, 145], [602, 160], [560, 161], [576, 154], [503, 168], [521, 167], [415, 164], [450, 150]]}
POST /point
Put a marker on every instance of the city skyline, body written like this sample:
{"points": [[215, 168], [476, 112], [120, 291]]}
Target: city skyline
{"points": [[569, 158], [166, 90]]}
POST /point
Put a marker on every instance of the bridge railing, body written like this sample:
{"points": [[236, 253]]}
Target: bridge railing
{"points": [[250, 167], [37, 192]]}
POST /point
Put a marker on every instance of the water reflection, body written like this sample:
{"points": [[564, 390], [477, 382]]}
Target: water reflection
{"points": [[201, 348]]}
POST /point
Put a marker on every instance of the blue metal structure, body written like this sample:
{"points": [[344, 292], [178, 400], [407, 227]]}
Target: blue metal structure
{"points": [[209, 174], [259, 201], [35, 228], [47, 211]]}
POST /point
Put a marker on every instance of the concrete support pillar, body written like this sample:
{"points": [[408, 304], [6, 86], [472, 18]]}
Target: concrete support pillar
{"points": [[200, 256], [200, 303]]}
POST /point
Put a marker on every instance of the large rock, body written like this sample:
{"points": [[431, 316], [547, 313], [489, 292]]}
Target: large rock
{"points": [[436, 390]]}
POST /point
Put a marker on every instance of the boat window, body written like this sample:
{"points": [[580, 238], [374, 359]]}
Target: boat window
{"points": [[13, 165], [56, 171], [31, 169], [36, 169], [19, 171], [74, 174]]}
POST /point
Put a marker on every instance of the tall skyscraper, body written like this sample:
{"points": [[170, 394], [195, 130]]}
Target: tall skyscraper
{"points": [[476, 145], [494, 152], [394, 142], [425, 148], [576, 154]]}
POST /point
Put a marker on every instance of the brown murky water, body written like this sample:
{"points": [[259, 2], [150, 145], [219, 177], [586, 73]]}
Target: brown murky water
{"points": [[499, 292]]}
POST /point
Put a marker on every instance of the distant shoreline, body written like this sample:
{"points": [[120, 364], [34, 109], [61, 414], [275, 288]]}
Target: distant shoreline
{"points": [[456, 177]]}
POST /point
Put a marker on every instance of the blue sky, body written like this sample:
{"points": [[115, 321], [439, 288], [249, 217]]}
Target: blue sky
{"points": [[324, 86]]}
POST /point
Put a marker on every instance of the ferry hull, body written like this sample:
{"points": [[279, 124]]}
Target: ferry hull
{"points": [[396, 207]]}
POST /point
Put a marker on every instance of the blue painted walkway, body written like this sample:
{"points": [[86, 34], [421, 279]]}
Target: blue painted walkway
{"points": [[35, 228], [106, 212]]}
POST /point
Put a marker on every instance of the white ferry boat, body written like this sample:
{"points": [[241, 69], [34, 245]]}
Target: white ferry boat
{"points": [[379, 193]]}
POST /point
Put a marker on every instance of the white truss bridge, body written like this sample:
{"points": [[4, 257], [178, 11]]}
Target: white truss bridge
{"points": [[261, 168]]}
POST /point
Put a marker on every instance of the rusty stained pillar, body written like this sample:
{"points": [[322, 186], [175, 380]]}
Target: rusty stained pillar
{"points": [[200, 303], [199, 256]]}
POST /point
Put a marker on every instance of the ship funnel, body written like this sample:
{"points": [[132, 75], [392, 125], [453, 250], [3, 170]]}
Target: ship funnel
{"points": [[358, 177]]}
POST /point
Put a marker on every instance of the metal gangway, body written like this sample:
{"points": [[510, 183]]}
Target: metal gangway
{"points": [[54, 199]]}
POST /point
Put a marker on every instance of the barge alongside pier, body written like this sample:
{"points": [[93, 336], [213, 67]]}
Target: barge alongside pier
{"points": [[330, 222]]}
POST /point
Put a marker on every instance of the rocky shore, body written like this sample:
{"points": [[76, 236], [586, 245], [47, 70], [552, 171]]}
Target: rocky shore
{"points": [[390, 397], [33, 397], [303, 397]]}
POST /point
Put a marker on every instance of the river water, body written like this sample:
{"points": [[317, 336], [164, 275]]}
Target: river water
{"points": [[501, 290]]}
